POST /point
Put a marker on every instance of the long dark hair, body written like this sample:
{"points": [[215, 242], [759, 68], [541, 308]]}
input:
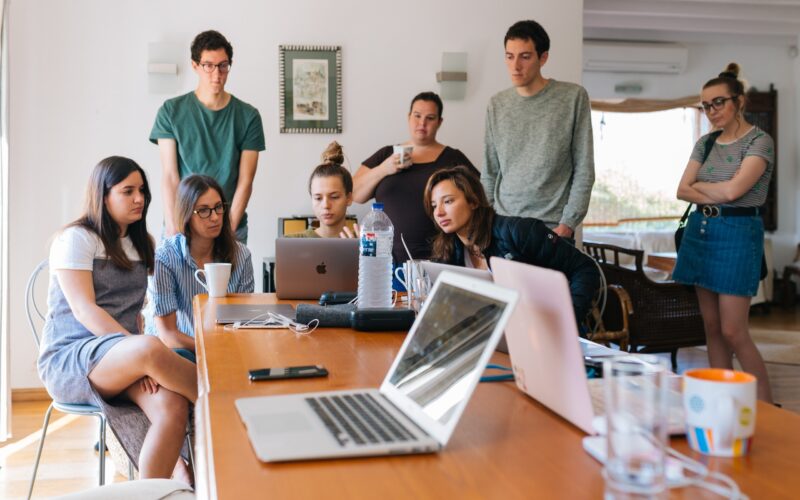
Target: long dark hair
{"points": [[107, 174], [190, 190], [479, 227]]}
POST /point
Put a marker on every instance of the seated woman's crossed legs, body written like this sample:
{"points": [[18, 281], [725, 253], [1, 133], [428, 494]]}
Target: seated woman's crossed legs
{"points": [[174, 382]]}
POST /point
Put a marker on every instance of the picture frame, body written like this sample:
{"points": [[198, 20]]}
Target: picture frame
{"points": [[310, 89]]}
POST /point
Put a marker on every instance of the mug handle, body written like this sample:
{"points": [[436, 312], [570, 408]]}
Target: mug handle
{"points": [[401, 280], [197, 277]]}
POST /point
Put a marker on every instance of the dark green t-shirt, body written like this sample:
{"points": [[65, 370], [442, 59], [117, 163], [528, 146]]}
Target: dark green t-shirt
{"points": [[210, 142]]}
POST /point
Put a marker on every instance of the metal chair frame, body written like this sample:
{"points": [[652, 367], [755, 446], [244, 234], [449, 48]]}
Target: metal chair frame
{"points": [[89, 410]]}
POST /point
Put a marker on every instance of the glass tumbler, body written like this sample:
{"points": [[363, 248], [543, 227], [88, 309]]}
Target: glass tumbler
{"points": [[636, 426]]}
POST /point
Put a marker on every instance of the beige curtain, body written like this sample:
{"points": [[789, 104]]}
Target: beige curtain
{"points": [[645, 105]]}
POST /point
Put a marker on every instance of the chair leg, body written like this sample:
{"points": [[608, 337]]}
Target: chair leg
{"points": [[102, 419], [130, 470], [41, 445], [191, 450], [674, 358]]}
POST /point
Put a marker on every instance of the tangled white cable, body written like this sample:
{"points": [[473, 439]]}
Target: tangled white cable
{"points": [[271, 320]]}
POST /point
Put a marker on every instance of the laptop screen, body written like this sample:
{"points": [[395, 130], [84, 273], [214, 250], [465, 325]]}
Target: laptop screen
{"points": [[438, 367]]}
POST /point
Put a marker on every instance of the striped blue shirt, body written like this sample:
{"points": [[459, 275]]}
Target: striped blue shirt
{"points": [[173, 286]]}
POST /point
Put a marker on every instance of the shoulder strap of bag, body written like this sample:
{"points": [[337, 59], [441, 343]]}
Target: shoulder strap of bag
{"points": [[707, 147], [709, 144]]}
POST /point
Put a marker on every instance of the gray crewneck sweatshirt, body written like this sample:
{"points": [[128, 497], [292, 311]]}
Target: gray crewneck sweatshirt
{"points": [[538, 156]]}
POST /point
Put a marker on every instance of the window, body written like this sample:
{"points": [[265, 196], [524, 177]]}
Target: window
{"points": [[639, 159]]}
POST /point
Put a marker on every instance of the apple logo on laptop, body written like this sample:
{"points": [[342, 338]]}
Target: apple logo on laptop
{"points": [[321, 268]]}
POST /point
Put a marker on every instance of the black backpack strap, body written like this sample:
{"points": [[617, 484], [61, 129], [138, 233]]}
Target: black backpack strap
{"points": [[709, 144]]}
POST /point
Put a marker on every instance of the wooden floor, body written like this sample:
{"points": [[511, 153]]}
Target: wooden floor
{"points": [[69, 462]]}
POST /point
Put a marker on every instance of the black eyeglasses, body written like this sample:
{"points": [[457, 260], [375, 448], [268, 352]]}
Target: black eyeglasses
{"points": [[716, 103], [223, 67], [205, 212]]}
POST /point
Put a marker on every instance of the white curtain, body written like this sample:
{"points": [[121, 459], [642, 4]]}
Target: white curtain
{"points": [[5, 390]]}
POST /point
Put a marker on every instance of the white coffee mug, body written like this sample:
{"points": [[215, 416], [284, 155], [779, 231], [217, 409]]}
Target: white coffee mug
{"points": [[216, 276], [720, 408], [405, 154]]}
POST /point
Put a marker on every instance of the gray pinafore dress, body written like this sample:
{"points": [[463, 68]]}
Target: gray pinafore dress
{"points": [[69, 352]]}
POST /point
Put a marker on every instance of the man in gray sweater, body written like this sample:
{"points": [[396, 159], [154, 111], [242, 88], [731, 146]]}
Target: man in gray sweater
{"points": [[538, 149]]}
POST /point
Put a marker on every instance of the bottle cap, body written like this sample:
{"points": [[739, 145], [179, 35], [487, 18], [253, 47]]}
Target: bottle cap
{"points": [[377, 206]]}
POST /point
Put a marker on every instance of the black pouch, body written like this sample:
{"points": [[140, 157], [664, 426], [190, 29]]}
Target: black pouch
{"points": [[377, 320]]}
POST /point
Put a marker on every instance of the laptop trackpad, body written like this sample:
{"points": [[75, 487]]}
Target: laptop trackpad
{"points": [[277, 423]]}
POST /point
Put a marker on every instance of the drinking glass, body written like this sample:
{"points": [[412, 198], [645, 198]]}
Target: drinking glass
{"points": [[419, 290], [636, 423]]}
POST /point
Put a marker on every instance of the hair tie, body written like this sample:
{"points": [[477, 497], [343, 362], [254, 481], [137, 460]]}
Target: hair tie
{"points": [[729, 74]]}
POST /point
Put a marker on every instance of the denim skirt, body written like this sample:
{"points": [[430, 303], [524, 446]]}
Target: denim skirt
{"points": [[721, 254]]}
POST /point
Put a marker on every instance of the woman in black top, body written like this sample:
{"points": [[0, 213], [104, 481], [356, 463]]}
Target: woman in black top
{"points": [[470, 232], [399, 185]]}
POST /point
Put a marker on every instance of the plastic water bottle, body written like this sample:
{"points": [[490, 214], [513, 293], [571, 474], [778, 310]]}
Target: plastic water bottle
{"points": [[375, 260]]}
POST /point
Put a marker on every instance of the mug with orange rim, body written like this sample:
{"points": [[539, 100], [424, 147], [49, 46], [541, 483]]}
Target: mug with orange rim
{"points": [[720, 409]]}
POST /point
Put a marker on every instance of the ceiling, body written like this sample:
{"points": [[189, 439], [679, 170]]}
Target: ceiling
{"points": [[723, 21]]}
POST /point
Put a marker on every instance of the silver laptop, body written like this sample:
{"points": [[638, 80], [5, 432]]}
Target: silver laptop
{"points": [[546, 354], [435, 268], [421, 399], [307, 267], [244, 313]]}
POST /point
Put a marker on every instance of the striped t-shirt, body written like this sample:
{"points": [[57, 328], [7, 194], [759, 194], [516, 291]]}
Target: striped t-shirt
{"points": [[724, 161], [173, 286]]}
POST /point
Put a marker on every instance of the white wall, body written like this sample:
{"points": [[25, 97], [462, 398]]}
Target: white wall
{"points": [[79, 93], [761, 65]]}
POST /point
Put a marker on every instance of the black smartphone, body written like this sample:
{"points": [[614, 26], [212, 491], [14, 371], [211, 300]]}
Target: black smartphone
{"points": [[289, 372]]}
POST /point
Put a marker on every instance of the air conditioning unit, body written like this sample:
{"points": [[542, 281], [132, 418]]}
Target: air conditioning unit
{"points": [[627, 57]]}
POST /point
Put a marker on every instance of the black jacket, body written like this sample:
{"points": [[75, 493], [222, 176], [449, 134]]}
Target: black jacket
{"points": [[528, 240]]}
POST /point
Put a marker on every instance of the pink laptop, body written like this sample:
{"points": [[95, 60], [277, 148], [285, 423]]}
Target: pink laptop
{"points": [[546, 352]]}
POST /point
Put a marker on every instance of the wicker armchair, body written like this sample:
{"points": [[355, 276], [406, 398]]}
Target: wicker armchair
{"points": [[665, 316], [612, 325]]}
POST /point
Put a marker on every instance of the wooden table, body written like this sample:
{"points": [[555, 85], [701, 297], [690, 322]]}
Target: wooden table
{"points": [[506, 445], [663, 261]]}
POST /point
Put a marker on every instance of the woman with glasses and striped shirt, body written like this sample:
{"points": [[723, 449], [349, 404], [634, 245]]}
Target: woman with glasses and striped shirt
{"points": [[204, 236], [727, 176]]}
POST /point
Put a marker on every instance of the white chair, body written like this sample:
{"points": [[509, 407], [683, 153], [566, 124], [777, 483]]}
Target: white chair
{"points": [[35, 315], [142, 489]]}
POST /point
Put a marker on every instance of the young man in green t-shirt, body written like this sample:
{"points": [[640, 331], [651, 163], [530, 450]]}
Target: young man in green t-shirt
{"points": [[209, 131]]}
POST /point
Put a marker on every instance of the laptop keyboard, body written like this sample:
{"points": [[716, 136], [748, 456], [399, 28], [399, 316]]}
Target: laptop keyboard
{"points": [[358, 418], [675, 418]]}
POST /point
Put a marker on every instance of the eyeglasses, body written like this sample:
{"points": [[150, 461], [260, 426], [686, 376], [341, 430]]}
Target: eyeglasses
{"points": [[223, 67], [205, 212], [716, 103]]}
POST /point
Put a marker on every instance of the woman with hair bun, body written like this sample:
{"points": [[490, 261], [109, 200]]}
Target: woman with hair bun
{"points": [[331, 190], [727, 177]]}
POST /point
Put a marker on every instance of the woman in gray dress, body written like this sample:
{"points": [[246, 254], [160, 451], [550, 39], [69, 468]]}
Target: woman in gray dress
{"points": [[91, 349]]}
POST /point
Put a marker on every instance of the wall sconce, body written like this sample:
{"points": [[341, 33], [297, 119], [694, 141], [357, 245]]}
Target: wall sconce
{"points": [[453, 77], [163, 67]]}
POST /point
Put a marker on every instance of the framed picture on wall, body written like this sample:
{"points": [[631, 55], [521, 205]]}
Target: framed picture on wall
{"points": [[311, 89]]}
